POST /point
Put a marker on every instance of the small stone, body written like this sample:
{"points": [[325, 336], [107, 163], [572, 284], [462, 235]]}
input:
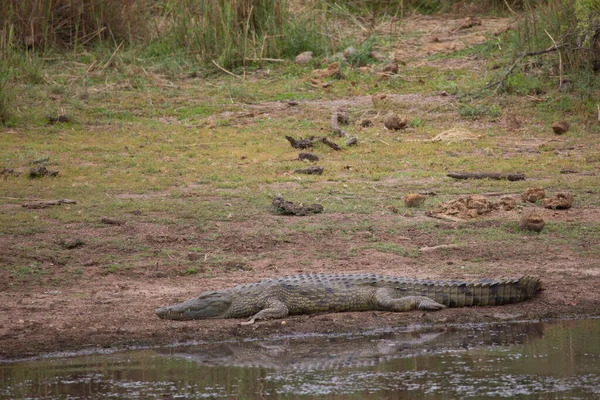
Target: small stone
{"points": [[304, 58], [532, 221], [393, 122], [562, 201], [560, 127], [414, 200], [531, 195]]}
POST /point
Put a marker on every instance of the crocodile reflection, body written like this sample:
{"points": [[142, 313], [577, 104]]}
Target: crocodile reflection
{"points": [[356, 351]]}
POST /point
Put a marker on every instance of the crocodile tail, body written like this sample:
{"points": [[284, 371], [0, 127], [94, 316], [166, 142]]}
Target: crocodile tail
{"points": [[487, 292]]}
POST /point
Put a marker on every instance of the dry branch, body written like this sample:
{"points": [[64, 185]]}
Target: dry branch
{"points": [[500, 82], [48, 203], [486, 175]]}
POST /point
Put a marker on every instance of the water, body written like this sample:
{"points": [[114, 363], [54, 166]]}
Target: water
{"points": [[558, 360]]}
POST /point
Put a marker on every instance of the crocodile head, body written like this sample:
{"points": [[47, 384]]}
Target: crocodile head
{"points": [[207, 305]]}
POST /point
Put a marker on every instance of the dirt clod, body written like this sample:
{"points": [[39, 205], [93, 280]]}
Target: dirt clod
{"points": [[366, 123], [314, 170], [112, 221], [391, 68], [560, 127], [72, 243], [287, 207], [467, 207], [562, 201], [394, 122], [414, 200], [508, 203], [532, 221], [41, 171], [531, 195], [59, 119]]}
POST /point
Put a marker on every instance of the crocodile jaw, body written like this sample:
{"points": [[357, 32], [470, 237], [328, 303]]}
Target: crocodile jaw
{"points": [[212, 305]]}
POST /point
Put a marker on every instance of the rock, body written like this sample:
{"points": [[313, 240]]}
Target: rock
{"points": [[532, 221], [532, 195], [414, 200], [562, 201], [304, 58], [393, 122], [560, 127], [391, 68]]}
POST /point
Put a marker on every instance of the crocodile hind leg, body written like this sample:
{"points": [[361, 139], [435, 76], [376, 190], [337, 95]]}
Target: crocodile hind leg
{"points": [[275, 309], [385, 300]]}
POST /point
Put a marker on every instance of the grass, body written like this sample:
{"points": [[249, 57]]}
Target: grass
{"points": [[192, 158]]}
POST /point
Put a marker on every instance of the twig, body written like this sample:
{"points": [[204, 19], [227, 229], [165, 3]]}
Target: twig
{"points": [[510, 9], [509, 71], [111, 57], [428, 249], [264, 59], [224, 70], [560, 64], [486, 175]]}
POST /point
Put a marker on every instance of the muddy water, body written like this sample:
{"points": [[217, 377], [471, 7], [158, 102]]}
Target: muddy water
{"points": [[557, 360]]}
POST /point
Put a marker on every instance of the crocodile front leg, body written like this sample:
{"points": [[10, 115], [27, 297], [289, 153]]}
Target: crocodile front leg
{"points": [[385, 300], [275, 309]]}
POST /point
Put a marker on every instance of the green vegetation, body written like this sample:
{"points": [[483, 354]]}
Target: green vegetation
{"points": [[189, 157]]}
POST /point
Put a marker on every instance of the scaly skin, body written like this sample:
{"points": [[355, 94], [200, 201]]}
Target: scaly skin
{"points": [[306, 294]]}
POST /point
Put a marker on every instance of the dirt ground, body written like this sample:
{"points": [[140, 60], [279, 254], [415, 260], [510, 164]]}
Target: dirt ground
{"points": [[117, 310]]}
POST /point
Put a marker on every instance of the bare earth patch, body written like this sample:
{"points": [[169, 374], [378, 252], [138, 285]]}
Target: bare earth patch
{"points": [[117, 310]]}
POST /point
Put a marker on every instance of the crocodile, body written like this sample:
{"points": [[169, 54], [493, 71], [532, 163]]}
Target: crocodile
{"points": [[313, 293]]}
